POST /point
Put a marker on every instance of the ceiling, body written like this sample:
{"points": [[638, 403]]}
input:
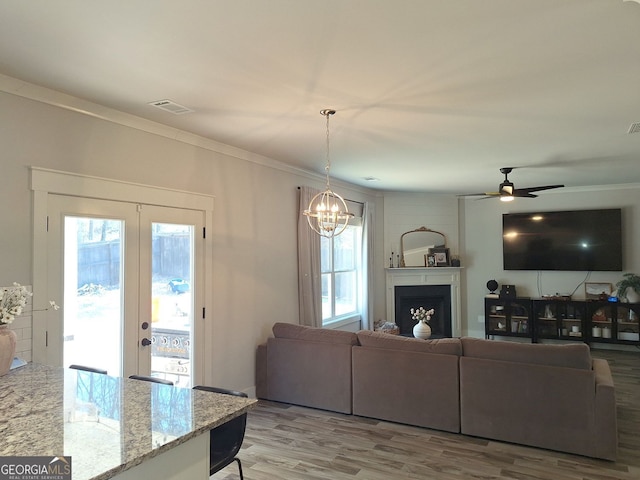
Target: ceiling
{"points": [[431, 95]]}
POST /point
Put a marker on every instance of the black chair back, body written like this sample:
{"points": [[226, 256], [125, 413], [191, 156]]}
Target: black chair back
{"points": [[145, 378], [226, 439], [88, 369]]}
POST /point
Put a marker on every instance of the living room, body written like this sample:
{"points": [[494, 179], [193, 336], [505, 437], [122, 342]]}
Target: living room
{"points": [[253, 280], [243, 268], [247, 302]]}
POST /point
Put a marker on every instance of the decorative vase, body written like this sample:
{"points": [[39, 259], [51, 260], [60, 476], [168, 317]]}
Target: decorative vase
{"points": [[422, 330], [632, 296], [8, 341]]}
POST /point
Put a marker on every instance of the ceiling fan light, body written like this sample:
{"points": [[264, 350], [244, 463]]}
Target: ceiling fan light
{"points": [[506, 188], [506, 198]]}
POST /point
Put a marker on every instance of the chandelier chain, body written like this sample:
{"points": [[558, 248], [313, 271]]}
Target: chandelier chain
{"points": [[327, 113]]}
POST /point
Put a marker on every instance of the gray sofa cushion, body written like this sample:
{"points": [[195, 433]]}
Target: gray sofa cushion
{"points": [[308, 373], [415, 388], [301, 332], [570, 356], [445, 346]]}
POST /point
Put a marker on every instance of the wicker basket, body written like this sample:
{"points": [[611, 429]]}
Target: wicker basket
{"points": [[390, 328]]}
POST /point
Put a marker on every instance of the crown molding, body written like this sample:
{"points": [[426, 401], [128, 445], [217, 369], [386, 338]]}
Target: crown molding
{"points": [[54, 98]]}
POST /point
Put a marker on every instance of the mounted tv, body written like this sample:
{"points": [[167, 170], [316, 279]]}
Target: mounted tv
{"points": [[578, 240]]}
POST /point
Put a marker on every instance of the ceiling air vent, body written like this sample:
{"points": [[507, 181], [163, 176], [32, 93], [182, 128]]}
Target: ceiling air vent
{"points": [[634, 128], [171, 107]]}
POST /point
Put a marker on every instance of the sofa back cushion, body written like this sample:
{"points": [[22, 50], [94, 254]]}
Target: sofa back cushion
{"points": [[445, 346], [575, 355], [302, 332]]}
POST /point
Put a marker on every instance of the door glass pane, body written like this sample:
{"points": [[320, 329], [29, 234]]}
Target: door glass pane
{"points": [[172, 300], [93, 296]]}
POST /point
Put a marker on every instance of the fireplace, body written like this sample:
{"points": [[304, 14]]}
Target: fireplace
{"points": [[437, 297], [435, 287]]}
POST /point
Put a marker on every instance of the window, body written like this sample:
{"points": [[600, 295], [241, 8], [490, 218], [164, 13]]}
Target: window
{"points": [[341, 275]]}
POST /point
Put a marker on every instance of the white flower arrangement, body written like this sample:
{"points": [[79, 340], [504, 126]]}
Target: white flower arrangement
{"points": [[422, 315], [13, 300]]}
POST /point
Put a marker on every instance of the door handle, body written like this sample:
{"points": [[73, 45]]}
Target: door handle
{"points": [[145, 325], [145, 342]]}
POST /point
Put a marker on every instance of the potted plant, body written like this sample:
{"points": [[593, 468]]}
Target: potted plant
{"points": [[629, 287], [422, 328]]}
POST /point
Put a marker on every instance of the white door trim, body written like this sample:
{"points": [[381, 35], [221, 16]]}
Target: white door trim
{"points": [[45, 181]]}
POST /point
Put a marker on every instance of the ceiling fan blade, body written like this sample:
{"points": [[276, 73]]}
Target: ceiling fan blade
{"points": [[538, 189], [487, 197], [523, 194], [489, 194]]}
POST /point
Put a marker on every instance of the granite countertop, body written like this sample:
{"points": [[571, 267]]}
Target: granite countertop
{"points": [[106, 424]]}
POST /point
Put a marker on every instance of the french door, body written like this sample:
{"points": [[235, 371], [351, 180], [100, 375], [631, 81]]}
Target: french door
{"points": [[130, 279]]}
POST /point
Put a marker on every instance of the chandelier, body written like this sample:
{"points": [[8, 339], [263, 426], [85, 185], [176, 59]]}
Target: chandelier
{"points": [[327, 213]]}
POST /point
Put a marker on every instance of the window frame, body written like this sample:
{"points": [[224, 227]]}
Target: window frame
{"points": [[334, 320]]}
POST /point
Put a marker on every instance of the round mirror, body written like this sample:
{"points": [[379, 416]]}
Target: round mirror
{"points": [[415, 245]]}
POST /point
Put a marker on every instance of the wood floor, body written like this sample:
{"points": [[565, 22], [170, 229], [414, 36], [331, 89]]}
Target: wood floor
{"points": [[289, 442]]}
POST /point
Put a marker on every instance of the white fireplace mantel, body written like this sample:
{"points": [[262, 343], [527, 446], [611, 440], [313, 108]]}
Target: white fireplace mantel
{"points": [[426, 276]]}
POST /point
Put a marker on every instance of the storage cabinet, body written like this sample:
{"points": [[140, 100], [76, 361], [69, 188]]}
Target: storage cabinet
{"points": [[614, 322], [559, 319], [568, 320], [508, 317]]}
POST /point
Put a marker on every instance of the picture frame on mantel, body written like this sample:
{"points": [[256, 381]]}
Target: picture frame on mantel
{"points": [[431, 260], [441, 256]]}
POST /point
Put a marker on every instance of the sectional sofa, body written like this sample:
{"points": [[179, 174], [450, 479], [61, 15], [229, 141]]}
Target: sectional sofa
{"points": [[548, 396]]}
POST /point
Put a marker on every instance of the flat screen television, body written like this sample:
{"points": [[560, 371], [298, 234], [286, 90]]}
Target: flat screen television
{"points": [[577, 240]]}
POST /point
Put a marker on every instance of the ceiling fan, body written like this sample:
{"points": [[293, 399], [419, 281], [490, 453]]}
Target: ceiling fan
{"points": [[507, 191]]}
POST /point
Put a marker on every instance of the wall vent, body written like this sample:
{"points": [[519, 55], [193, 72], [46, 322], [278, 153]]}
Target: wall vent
{"points": [[171, 107], [634, 128]]}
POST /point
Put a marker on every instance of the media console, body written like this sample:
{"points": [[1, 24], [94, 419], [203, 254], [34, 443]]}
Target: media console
{"points": [[589, 321]]}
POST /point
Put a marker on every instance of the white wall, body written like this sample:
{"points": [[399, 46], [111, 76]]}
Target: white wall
{"points": [[404, 212], [481, 242], [254, 258]]}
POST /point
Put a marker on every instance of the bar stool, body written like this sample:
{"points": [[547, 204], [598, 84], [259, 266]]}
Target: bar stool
{"points": [[226, 439]]}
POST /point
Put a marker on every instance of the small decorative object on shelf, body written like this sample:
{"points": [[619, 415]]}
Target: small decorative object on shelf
{"points": [[422, 328], [599, 316], [508, 291], [596, 291], [441, 256]]}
